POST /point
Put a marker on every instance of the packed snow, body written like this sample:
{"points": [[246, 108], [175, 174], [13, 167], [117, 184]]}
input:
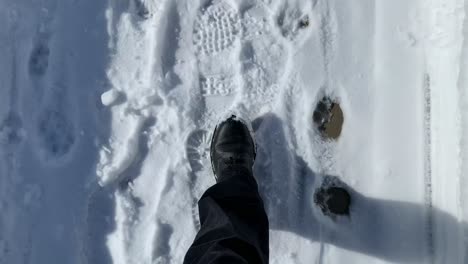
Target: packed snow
{"points": [[107, 109]]}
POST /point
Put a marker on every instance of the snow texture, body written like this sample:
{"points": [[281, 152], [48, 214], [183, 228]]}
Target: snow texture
{"points": [[107, 109]]}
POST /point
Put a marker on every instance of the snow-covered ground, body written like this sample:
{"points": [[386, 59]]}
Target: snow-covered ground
{"points": [[106, 111]]}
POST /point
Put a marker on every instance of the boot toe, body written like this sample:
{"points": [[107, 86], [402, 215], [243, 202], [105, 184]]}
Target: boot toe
{"points": [[232, 134], [232, 145]]}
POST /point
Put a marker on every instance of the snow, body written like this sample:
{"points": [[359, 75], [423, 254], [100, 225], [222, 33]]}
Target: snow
{"points": [[110, 97], [107, 110]]}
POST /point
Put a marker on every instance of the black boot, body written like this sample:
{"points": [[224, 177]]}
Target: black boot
{"points": [[232, 146]]}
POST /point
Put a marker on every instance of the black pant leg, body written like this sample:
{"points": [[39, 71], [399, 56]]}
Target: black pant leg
{"points": [[234, 225]]}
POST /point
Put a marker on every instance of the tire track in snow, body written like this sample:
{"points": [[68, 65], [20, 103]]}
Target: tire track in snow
{"points": [[327, 39], [463, 104], [429, 221], [324, 153], [443, 127]]}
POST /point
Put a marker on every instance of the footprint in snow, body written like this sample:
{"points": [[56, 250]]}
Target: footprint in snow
{"points": [[216, 39], [39, 57], [216, 29], [55, 129], [11, 130], [201, 175], [56, 133], [261, 49]]}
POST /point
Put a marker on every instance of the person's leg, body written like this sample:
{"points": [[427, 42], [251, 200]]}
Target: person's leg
{"points": [[234, 225]]}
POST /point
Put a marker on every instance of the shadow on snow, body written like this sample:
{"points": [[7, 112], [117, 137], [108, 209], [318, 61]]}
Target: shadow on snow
{"points": [[390, 230]]}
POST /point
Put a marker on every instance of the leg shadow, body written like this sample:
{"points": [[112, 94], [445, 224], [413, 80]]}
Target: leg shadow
{"points": [[390, 230]]}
